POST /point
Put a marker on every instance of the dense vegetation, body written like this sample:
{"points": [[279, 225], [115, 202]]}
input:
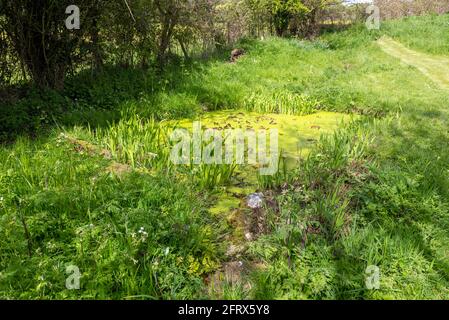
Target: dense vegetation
{"points": [[84, 181], [130, 46]]}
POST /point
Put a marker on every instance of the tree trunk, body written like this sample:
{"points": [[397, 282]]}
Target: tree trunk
{"points": [[183, 48]]}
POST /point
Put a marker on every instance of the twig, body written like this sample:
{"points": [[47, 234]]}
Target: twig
{"points": [[130, 11], [27, 234]]}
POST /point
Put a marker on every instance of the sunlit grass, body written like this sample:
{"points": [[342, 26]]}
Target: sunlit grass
{"points": [[373, 193]]}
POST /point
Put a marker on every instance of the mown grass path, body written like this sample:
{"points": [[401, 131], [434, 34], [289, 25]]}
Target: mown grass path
{"points": [[434, 67]]}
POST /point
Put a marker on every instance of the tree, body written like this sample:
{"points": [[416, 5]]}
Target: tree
{"points": [[39, 38], [284, 11], [309, 19], [296, 16]]}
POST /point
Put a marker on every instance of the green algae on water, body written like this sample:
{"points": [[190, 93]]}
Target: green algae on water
{"points": [[297, 134]]}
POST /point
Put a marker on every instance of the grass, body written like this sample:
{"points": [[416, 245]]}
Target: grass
{"points": [[78, 213], [425, 34], [373, 193]]}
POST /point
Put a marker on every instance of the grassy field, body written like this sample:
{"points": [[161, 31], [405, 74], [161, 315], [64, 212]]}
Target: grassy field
{"points": [[96, 190]]}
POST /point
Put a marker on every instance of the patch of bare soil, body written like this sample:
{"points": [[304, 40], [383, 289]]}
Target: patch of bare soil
{"points": [[84, 147]]}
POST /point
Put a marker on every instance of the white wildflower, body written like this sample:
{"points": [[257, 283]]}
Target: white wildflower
{"points": [[152, 155]]}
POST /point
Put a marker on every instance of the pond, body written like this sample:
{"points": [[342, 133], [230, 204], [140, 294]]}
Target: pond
{"points": [[297, 134], [296, 137]]}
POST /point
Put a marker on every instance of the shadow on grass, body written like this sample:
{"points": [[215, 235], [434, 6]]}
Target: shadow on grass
{"points": [[411, 213], [98, 98]]}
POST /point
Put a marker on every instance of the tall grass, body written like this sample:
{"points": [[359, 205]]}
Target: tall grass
{"points": [[145, 144], [282, 102], [374, 193], [139, 142]]}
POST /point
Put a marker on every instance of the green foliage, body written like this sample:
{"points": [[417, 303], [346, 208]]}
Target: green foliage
{"points": [[283, 11], [274, 181], [282, 102], [78, 213], [427, 33], [373, 193], [210, 176]]}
